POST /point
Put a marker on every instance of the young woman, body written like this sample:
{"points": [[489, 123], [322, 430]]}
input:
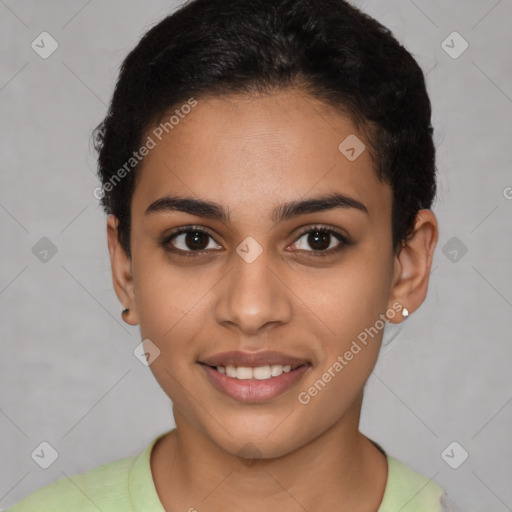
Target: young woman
{"points": [[268, 171]]}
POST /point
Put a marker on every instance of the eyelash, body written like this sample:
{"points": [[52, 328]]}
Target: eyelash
{"points": [[316, 253]]}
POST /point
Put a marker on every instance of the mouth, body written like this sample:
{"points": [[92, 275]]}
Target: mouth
{"points": [[253, 376], [264, 372]]}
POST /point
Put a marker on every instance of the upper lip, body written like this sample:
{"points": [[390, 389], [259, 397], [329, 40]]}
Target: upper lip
{"points": [[252, 359]]}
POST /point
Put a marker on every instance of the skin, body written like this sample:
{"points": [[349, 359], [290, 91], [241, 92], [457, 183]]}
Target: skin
{"points": [[251, 154]]}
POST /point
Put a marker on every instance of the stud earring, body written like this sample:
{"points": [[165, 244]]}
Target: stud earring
{"points": [[125, 310], [392, 329]]}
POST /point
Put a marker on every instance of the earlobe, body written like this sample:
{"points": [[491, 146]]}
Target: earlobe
{"points": [[413, 264], [122, 276]]}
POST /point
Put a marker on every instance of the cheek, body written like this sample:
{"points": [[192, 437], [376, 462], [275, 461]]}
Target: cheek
{"points": [[169, 307], [173, 304], [352, 309], [165, 295], [352, 299]]}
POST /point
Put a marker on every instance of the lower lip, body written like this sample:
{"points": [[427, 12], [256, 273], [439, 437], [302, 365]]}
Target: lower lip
{"points": [[254, 390]]}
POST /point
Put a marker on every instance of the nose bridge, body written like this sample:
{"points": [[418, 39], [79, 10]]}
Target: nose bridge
{"points": [[252, 296]]}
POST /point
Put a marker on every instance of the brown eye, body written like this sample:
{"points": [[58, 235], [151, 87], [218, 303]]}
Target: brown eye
{"points": [[322, 241], [195, 240], [188, 240], [319, 240]]}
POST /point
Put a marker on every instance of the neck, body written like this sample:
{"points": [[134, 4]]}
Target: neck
{"points": [[340, 469]]}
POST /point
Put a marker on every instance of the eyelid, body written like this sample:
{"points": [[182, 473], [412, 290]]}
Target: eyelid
{"points": [[343, 239], [339, 234], [186, 229], [322, 227]]}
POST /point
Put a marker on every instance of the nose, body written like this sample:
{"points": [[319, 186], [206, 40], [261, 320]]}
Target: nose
{"points": [[253, 295]]}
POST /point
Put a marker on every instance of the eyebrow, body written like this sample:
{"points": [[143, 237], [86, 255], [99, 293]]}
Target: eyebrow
{"points": [[285, 211]]}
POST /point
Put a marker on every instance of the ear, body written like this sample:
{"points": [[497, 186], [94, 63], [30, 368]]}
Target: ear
{"points": [[412, 265], [122, 275]]}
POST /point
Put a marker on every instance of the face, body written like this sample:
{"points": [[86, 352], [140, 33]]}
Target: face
{"points": [[280, 287]]}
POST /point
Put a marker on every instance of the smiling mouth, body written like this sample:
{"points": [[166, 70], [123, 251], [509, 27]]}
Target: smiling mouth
{"points": [[263, 372], [254, 376], [255, 383]]}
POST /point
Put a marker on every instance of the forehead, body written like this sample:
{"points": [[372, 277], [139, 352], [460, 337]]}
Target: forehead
{"points": [[259, 151]]}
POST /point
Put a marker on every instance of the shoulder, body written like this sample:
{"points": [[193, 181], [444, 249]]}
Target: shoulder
{"points": [[408, 491], [101, 488]]}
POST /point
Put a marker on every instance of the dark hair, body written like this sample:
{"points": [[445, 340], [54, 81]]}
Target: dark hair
{"points": [[328, 48]]}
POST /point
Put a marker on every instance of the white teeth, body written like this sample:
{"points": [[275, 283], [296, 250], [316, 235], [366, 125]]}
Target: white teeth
{"points": [[276, 370], [262, 372], [231, 371], [258, 372], [244, 373]]}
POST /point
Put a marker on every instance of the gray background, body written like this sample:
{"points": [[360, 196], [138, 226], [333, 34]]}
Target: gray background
{"points": [[68, 374]]}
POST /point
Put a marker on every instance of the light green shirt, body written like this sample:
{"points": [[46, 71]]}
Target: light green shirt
{"points": [[126, 485]]}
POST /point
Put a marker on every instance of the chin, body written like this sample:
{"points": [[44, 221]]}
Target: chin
{"points": [[264, 439]]}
